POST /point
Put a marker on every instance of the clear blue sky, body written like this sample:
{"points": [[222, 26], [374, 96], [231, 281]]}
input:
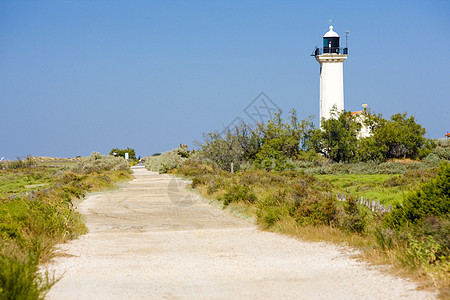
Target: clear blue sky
{"points": [[89, 75]]}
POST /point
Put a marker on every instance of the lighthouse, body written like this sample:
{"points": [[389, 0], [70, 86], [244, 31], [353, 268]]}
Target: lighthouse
{"points": [[331, 58]]}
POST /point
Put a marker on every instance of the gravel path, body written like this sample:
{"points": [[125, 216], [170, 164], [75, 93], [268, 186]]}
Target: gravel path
{"points": [[154, 240]]}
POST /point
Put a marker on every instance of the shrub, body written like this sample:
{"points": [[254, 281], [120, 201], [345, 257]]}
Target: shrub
{"points": [[436, 228], [384, 237], [431, 199], [165, 162], [310, 207], [223, 151], [439, 154], [19, 163], [98, 163], [352, 219], [269, 216], [238, 193], [315, 211], [20, 280]]}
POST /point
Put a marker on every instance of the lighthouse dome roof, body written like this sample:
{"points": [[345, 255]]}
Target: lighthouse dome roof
{"points": [[331, 33]]}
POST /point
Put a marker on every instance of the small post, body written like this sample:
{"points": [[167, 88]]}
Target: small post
{"points": [[232, 168]]}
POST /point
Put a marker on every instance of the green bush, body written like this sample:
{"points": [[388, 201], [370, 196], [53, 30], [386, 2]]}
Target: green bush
{"points": [[165, 162], [98, 163], [431, 199], [366, 168], [18, 164], [20, 280], [315, 211], [438, 228], [238, 193], [351, 218], [439, 154], [308, 206]]}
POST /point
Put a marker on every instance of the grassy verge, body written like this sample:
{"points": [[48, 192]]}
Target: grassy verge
{"points": [[305, 206], [37, 212], [388, 188]]}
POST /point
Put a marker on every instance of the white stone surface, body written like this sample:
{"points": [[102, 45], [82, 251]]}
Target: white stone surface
{"points": [[331, 83], [331, 33]]}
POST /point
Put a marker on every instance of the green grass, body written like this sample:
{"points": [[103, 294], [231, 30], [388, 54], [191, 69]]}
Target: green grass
{"points": [[19, 181], [373, 187]]}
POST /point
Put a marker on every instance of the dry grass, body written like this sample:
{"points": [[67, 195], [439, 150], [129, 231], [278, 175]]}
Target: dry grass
{"points": [[404, 160]]}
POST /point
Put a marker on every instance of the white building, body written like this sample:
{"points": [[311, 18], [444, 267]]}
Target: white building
{"points": [[361, 117], [331, 58]]}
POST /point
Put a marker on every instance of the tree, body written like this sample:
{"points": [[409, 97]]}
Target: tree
{"points": [[399, 137], [268, 145], [223, 151], [337, 138], [121, 152], [281, 140]]}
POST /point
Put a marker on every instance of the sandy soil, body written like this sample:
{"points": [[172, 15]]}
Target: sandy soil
{"points": [[155, 240]]}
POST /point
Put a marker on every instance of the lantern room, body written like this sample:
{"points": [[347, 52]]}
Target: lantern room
{"points": [[331, 42]]}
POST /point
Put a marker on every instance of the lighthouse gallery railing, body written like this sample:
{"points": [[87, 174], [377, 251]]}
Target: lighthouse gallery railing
{"points": [[329, 50]]}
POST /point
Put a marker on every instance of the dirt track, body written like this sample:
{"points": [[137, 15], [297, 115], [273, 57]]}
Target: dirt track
{"points": [[154, 240]]}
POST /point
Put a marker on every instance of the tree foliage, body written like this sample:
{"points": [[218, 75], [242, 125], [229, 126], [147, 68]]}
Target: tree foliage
{"points": [[121, 152], [277, 144], [399, 137], [337, 139], [267, 146]]}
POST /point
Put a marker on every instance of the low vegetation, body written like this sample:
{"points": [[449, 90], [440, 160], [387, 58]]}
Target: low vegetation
{"points": [[287, 176], [168, 160], [37, 212]]}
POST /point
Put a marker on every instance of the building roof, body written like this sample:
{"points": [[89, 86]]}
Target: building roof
{"points": [[448, 134], [331, 33], [357, 112]]}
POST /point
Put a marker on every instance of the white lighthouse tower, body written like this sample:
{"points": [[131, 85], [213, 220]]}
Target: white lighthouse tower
{"points": [[331, 58]]}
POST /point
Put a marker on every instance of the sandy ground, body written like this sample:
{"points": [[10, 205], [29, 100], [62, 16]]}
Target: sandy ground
{"points": [[155, 240]]}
